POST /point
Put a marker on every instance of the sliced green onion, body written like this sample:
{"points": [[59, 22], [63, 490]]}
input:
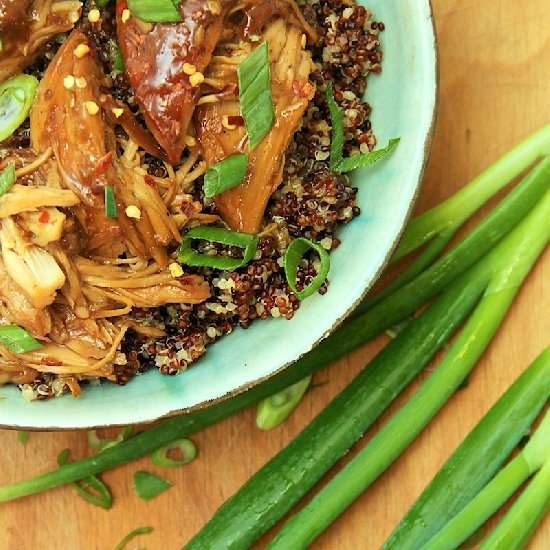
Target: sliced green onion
{"points": [[186, 446], [274, 410], [358, 161], [294, 255], [255, 94], [337, 163], [100, 444], [188, 256], [155, 11], [17, 339], [22, 436], [16, 99], [148, 486], [7, 178], [110, 202], [101, 3], [118, 64], [337, 122], [225, 174], [102, 496], [131, 535]]}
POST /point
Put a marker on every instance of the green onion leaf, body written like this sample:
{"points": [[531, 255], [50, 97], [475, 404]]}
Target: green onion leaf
{"points": [[7, 178], [337, 163], [186, 446], [102, 3], [16, 99], [148, 486], [188, 256], [276, 408], [358, 161], [102, 496], [255, 94], [17, 339], [337, 123], [154, 11], [100, 444], [294, 255], [131, 535], [110, 202], [22, 436], [225, 174]]}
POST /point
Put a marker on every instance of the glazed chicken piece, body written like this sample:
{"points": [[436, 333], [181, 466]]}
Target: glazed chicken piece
{"points": [[164, 63], [66, 117], [221, 131], [26, 25]]}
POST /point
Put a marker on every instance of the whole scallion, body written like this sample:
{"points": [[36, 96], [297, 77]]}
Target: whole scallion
{"points": [[477, 459], [494, 281]]}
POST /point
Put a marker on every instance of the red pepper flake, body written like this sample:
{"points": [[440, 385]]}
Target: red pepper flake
{"points": [[121, 7], [303, 88], [150, 181], [49, 362], [235, 120], [44, 217], [104, 162], [97, 189]]}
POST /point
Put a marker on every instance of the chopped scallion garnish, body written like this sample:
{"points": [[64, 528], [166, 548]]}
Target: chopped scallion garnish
{"points": [[118, 64], [110, 202], [186, 446], [91, 488], [337, 162], [100, 444], [155, 11], [294, 255], [148, 486], [17, 339], [225, 174], [132, 534], [22, 436], [188, 256], [255, 94], [16, 99], [7, 178]]}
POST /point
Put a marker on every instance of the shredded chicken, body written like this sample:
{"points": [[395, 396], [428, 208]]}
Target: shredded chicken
{"points": [[242, 207], [27, 25]]}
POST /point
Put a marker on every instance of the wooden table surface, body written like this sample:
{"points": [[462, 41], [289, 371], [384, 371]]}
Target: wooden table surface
{"points": [[495, 90]]}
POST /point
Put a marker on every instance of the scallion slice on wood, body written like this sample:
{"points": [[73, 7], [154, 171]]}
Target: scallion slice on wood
{"points": [[16, 99], [275, 409], [100, 444], [337, 163], [22, 436], [294, 255], [110, 202], [132, 534], [18, 339], [225, 174], [155, 11], [188, 256], [148, 486], [91, 488], [187, 448], [7, 178], [255, 94]]}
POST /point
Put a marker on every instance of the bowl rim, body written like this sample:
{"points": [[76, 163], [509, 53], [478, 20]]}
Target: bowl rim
{"points": [[428, 142]]}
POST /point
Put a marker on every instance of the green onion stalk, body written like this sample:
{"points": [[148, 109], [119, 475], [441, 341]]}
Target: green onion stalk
{"points": [[348, 337], [530, 460], [271, 492], [477, 459], [436, 227]]}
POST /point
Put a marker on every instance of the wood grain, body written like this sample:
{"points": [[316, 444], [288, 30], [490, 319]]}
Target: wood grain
{"points": [[495, 84]]}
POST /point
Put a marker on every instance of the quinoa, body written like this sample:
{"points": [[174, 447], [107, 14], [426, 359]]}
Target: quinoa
{"points": [[311, 202]]}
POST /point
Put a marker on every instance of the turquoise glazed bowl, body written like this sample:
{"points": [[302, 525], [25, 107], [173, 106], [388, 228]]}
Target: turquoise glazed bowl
{"points": [[403, 97]]}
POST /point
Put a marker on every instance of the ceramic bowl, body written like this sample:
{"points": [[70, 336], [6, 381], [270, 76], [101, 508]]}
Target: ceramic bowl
{"points": [[403, 97]]}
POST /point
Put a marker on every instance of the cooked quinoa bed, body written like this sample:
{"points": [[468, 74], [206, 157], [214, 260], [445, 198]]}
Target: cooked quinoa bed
{"points": [[311, 202]]}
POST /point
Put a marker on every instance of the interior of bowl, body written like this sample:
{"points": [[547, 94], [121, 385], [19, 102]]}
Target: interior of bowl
{"points": [[403, 98]]}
